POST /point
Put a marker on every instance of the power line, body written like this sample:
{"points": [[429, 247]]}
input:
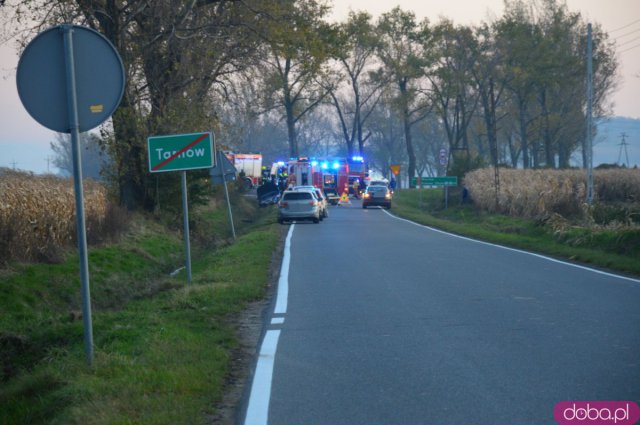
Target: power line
{"points": [[629, 41], [630, 48], [626, 34], [626, 26]]}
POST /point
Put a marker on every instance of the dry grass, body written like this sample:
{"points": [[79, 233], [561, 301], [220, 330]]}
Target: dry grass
{"points": [[37, 215], [544, 193]]}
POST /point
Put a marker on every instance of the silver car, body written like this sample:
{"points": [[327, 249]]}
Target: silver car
{"points": [[298, 205], [320, 196]]}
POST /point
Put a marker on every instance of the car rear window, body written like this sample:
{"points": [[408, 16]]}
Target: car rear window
{"points": [[297, 196]]}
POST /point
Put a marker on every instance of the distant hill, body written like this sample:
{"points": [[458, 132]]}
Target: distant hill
{"points": [[607, 147]]}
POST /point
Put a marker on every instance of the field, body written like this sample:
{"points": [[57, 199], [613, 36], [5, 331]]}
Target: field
{"points": [[37, 215], [542, 193]]}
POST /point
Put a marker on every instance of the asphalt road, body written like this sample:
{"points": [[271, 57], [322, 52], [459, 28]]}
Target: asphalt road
{"points": [[388, 322]]}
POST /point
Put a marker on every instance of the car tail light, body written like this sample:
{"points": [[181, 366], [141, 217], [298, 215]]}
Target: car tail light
{"points": [[367, 195], [313, 203], [283, 205]]}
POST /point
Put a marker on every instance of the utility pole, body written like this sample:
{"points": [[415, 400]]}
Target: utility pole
{"points": [[14, 163], [589, 144], [623, 144]]}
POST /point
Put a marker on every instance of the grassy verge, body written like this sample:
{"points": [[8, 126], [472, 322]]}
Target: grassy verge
{"points": [[162, 348], [614, 249]]}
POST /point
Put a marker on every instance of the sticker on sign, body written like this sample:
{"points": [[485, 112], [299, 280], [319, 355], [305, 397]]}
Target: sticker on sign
{"points": [[180, 152]]}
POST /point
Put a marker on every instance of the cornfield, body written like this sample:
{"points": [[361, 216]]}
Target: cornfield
{"points": [[37, 214], [541, 193]]}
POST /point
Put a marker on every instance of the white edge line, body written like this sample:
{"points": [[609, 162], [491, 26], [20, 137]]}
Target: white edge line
{"points": [[258, 409], [554, 260], [283, 282]]}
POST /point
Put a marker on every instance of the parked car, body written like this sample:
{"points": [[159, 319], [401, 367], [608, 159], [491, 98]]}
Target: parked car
{"points": [[377, 195], [324, 204], [298, 205]]}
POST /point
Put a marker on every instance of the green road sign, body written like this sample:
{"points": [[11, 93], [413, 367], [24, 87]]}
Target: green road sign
{"points": [[180, 152], [437, 181]]}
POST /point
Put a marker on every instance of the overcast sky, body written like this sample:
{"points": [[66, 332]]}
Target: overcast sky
{"points": [[25, 144]]}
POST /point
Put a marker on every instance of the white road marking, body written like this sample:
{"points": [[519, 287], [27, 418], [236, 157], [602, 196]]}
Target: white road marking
{"points": [[283, 282], [630, 279], [258, 409]]}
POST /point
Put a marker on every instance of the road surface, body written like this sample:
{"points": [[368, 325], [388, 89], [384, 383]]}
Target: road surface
{"points": [[382, 321]]}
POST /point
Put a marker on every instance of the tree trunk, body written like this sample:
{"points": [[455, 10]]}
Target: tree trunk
{"points": [[128, 157], [411, 172], [524, 141], [291, 131]]}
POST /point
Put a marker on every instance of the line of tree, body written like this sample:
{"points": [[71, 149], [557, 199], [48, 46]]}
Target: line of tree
{"points": [[276, 77]]}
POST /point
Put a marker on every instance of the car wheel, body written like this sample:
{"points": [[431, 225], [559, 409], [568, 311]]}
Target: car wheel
{"points": [[281, 221], [316, 220], [364, 207]]}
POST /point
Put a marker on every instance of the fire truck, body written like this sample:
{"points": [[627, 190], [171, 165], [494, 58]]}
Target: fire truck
{"points": [[250, 164], [337, 175], [333, 175]]}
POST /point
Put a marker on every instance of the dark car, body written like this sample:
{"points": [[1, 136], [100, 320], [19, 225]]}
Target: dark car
{"points": [[268, 194], [377, 195]]}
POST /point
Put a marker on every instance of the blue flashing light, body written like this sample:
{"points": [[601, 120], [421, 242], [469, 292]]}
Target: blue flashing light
{"points": [[281, 163], [324, 165], [314, 163], [336, 165], [357, 159]]}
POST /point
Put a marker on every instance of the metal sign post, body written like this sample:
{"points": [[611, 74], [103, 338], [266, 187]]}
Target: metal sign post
{"points": [[185, 220], [71, 79], [182, 152], [226, 194], [74, 129]]}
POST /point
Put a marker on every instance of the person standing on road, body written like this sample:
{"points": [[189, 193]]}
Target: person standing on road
{"points": [[356, 186]]}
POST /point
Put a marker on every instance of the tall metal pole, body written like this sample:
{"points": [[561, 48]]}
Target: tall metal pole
{"points": [[74, 130], [185, 215], [220, 161], [589, 117]]}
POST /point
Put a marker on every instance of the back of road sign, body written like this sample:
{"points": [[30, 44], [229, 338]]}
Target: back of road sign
{"points": [[42, 79]]}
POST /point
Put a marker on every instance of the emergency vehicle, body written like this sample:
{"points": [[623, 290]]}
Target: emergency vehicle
{"points": [[248, 163], [332, 175], [339, 174]]}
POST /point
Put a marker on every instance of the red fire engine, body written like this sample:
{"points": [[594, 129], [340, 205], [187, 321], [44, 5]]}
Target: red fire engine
{"points": [[333, 175], [339, 174]]}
